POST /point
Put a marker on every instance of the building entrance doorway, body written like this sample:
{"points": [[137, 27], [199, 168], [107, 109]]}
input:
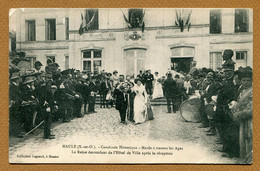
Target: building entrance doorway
{"points": [[181, 58], [183, 64]]}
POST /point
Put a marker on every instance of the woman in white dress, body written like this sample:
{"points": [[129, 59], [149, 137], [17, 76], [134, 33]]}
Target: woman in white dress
{"points": [[140, 102], [157, 90]]}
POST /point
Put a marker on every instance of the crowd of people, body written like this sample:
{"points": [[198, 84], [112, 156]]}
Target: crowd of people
{"points": [[52, 95], [44, 96], [226, 105]]}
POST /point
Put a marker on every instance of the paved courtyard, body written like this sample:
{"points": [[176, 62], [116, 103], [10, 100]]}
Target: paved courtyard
{"points": [[101, 132]]}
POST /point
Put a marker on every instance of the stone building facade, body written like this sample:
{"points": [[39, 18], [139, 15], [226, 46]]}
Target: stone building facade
{"points": [[108, 43]]}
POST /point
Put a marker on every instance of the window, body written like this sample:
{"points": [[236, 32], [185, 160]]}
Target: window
{"points": [[30, 30], [241, 20], [135, 17], [32, 61], [241, 55], [135, 60], [215, 21], [67, 62], [50, 29], [92, 60], [215, 60], [90, 13], [67, 28], [241, 59], [51, 58]]}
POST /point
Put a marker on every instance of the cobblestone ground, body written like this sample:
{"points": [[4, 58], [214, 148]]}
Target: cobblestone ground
{"points": [[104, 126]]}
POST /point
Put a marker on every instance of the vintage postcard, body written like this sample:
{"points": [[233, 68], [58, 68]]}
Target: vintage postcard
{"points": [[131, 85]]}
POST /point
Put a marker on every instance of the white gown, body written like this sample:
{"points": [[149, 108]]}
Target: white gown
{"points": [[157, 90], [140, 100]]}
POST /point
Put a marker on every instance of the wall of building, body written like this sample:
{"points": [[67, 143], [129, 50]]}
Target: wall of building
{"points": [[113, 37]]}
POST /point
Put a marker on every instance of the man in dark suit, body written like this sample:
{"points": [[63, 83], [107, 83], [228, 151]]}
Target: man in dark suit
{"points": [[46, 103], [228, 130], [14, 106], [122, 101], [149, 82], [93, 92], [141, 76], [79, 88], [86, 95], [28, 107], [170, 91]]}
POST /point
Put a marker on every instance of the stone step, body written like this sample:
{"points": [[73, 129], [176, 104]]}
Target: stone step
{"points": [[154, 102]]}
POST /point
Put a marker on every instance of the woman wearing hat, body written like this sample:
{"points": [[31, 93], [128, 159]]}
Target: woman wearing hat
{"points": [[242, 111]]}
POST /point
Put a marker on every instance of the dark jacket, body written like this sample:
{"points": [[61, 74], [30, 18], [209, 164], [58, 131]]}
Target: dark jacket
{"points": [[212, 90], [14, 93], [93, 87], [86, 92], [226, 94], [149, 80], [105, 86], [44, 94], [121, 100], [170, 88]]}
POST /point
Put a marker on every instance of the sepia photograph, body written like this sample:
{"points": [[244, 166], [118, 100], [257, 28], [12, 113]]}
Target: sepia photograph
{"points": [[131, 85]]}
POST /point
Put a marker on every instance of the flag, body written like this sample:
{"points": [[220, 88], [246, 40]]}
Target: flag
{"points": [[126, 20], [142, 22], [183, 19], [176, 19], [143, 26], [83, 23], [188, 19]]}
